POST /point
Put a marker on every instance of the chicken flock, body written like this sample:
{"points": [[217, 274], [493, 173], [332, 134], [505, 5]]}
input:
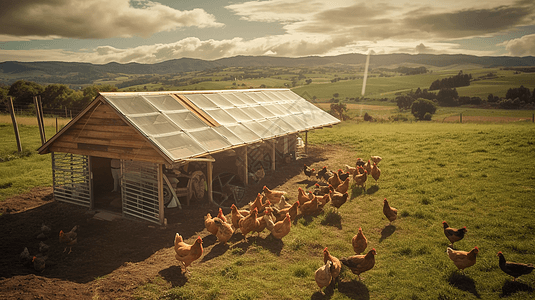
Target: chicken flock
{"points": [[272, 211]]}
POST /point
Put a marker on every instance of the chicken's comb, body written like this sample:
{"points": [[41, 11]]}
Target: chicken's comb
{"points": [[317, 184], [464, 227], [360, 228], [265, 187], [500, 252], [325, 249], [476, 248]]}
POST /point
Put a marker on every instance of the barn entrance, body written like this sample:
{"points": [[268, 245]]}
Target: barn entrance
{"points": [[104, 197]]}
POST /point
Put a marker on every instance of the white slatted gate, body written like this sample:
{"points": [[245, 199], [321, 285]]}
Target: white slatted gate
{"points": [[139, 185], [71, 180]]}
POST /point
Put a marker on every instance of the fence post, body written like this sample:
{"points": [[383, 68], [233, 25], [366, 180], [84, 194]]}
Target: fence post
{"points": [[14, 121], [461, 117], [39, 120]]}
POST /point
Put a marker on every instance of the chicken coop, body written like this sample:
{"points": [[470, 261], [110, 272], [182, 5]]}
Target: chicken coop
{"points": [[175, 146]]}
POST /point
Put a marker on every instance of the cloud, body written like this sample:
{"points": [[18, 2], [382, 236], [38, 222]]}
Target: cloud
{"points": [[95, 19], [276, 10], [524, 46]]}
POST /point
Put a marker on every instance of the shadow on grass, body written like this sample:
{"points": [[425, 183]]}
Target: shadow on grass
{"points": [[356, 191], [174, 275], [354, 289], [372, 190], [332, 218], [387, 231], [511, 287], [308, 182], [217, 250], [463, 283]]}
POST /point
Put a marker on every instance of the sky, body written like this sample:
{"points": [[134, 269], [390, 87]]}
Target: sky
{"points": [[142, 31]]}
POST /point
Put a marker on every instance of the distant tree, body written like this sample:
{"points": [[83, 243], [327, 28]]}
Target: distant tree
{"points": [[54, 95], [448, 97], [420, 107], [336, 95], [491, 98], [404, 102], [23, 92], [308, 81], [338, 108]]}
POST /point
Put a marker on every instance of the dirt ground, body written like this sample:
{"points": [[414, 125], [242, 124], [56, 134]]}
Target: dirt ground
{"points": [[112, 258]]}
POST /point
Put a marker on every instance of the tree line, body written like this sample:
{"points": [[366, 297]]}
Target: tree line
{"points": [[55, 98], [451, 82]]}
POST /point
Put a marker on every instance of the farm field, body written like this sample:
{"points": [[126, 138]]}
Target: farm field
{"points": [[475, 175]]}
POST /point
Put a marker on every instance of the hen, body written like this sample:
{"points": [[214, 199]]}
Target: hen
{"points": [[310, 207], [249, 223], [224, 231], [25, 257], [324, 200], [39, 263], [323, 275], [514, 269], [463, 259], [236, 215], [292, 211], [309, 171], [360, 179], [338, 199], [343, 187], [187, 253], [221, 215], [209, 224], [334, 180], [70, 238], [302, 197], [272, 195], [321, 190], [343, 176], [257, 203], [279, 229], [336, 265], [360, 162], [368, 167], [453, 234], [321, 173], [351, 170], [376, 159], [283, 203], [375, 172], [359, 264], [390, 213], [359, 242]]}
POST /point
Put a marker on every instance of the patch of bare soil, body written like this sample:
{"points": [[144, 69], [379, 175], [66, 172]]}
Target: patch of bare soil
{"points": [[112, 258]]}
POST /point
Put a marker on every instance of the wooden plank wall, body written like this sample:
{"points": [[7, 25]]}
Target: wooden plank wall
{"points": [[101, 132]]}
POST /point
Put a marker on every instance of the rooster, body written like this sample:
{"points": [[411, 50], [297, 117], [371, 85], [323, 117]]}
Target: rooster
{"points": [[453, 234], [514, 269], [309, 171], [187, 253]]}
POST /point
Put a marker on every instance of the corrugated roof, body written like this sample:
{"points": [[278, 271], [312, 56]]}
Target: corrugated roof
{"points": [[184, 125]]}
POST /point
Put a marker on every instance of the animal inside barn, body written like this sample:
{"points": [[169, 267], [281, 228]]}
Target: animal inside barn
{"points": [[173, 146]]}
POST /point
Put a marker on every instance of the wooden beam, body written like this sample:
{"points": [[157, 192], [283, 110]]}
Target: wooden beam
{"points": [[209, 175], [306, 142], [160, 194], [39, 121], [246, 166], [273, 154], [14, 121]]}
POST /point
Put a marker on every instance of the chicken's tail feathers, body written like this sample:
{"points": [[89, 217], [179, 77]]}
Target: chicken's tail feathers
{"points": [[74, 228], [178, 238], [449, 250]]}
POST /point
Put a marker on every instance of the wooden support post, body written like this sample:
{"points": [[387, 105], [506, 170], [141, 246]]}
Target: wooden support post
{"points": [[246, 166], [40, 102], [209, 175], [461, 117], [306, 142], [39, 121], [160, 195], [273, 154], [56, 125], [14, 121]]}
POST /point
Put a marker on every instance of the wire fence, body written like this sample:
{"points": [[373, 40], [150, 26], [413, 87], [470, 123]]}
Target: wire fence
{"points": [[25, 110]]}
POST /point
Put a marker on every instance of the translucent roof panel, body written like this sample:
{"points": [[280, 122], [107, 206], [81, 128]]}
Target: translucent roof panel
{"points": [[296, 122], [153, 124], [233, 99], [273, 95], [201, 101], [246, 99], [186, 120], [244, 133], [164, 102], [257, 128], [219, 100], [251, 111], [179, 146], [209, 139], [272, 129], [229, 135], [283, 95], [258, 97], [238, 114], [276, 109], [131, 104], [265, 113], [283, 125], [221, 116]]}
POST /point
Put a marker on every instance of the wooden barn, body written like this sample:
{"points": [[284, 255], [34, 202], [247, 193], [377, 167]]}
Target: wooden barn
{"points": [[172, 146]]}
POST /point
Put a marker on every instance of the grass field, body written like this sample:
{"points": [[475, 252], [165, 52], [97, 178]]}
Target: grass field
{"points": [[476, 175]]}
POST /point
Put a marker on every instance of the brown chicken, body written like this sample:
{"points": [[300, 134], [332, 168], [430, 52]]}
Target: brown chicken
{"points": [[360, 162], [321, 190], [368, 167], [292, 211], [302, 197], [390, 213], [512, 268], [359, 242], [360, 179], [272, 195], [351, 170], [187, 253], [310, 207], [321, 173], [343, 176], [224, 231], [375, 172], [334, 180], [343, 187], [221, 215], [323, 275], [209, 224], [336, 265], [309, 171], [338, 199], [453, 234], [376, 159], [39, 263], [463, 259], [236, 215], [257, 203], [283, 203], [279, 229], [359, 264], [70, 238], [249, 223], [324, 200]]}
